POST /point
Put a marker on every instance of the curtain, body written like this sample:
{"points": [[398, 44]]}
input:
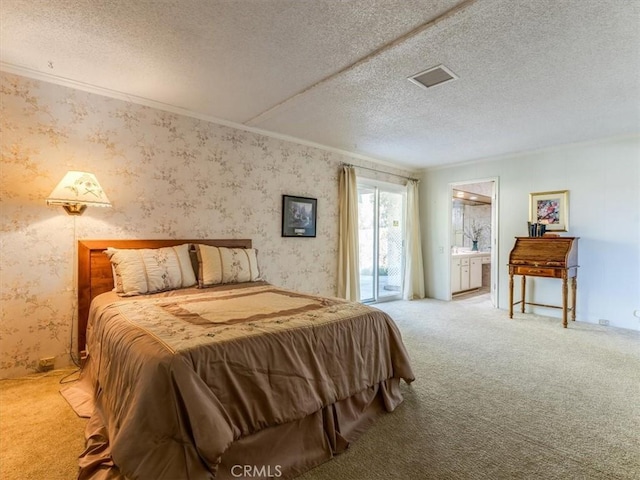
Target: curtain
{"points": [[348, 268], [413, 269]]}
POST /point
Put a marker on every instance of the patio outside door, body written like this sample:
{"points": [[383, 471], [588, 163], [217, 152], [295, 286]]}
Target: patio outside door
{"points": [[381, 236]]}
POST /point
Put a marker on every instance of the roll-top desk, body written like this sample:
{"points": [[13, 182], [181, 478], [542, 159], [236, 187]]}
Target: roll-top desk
{"points": [[551, 257]]}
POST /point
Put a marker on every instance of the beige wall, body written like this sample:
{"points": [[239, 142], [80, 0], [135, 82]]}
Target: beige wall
{"points": [[168, 176], [603, 180]]}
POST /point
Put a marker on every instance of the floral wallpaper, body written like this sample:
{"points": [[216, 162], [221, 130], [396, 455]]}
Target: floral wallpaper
{"points": [[167, 176]]}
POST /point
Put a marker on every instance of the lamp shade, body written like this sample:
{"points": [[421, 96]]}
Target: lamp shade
{"points": [[76, 191]]}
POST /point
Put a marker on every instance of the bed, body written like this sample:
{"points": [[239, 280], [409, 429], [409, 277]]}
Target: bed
{"points": [[241, 379]]}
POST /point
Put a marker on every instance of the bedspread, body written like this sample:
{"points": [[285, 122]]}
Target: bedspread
{"points": [[178, 377]]}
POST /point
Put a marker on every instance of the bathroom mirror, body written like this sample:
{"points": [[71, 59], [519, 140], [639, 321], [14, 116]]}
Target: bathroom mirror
{"points": [[471, 217]]}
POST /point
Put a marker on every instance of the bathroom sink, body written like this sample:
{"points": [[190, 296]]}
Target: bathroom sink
{"points": [[469, 253]]}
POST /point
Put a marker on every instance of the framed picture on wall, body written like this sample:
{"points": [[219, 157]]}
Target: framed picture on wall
{"points": [[298, 216], [550, 209]]}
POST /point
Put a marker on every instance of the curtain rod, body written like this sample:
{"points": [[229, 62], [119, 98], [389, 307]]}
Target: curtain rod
{"points": [[380, 171]]}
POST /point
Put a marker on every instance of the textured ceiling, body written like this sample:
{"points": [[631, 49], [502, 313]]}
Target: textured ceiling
{"points": [[532, 74]]}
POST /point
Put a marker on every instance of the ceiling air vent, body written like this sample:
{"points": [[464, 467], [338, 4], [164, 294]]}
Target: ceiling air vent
{"points": [[434, 76]]}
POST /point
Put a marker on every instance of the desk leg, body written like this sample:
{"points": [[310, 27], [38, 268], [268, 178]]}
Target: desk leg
{"points": [[510, 295], [564, 301], [524, 291], [574, 290]]}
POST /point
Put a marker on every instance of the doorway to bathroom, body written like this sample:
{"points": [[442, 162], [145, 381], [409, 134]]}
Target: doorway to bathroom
{"points": [[473, 269]]}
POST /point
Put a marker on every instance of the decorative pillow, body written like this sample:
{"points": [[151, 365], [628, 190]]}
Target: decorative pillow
{"points": [[149, 270], [218, 265]]}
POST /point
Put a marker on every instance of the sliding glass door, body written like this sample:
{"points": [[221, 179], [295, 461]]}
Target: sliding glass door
{"points": [[381, 213]]}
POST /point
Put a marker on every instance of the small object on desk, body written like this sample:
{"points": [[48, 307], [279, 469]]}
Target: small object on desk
{"points": [[536, 229]]}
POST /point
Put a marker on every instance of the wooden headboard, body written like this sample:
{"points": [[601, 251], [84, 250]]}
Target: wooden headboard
{"points": [[95, 275]]}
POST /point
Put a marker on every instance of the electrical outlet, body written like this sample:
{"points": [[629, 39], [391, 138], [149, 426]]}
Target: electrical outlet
{"points": [[604, 322], [46, 363]]}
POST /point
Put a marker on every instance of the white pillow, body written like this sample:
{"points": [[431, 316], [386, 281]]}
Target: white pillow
{"points": [[149, 270], [218, 265]]}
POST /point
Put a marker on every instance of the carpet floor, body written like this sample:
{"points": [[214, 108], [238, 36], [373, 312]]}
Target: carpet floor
{"points": [[494, 398], [40, 436]]}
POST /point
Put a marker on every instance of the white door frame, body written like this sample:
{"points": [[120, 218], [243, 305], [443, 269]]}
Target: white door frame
{"points": [[494, 233]]}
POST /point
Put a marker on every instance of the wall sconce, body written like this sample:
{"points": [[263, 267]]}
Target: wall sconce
{"points": [[76, 191]]}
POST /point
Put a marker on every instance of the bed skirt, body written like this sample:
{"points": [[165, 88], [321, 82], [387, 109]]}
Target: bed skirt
{"points": [[282, 451]]}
